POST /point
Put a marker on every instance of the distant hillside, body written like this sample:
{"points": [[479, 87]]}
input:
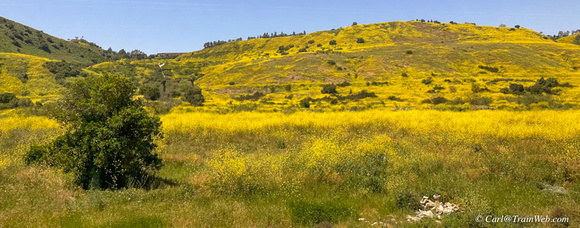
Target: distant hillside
{"points": [[18, 38], [29, 76], [573, 39]]}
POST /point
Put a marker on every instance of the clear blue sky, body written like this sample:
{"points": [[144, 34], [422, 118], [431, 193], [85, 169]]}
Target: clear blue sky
{"points": [[183, 26]]}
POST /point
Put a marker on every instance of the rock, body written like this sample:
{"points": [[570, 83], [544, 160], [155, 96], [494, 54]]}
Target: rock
{"points": [[436, 197], [413, 218], [432, 208]]}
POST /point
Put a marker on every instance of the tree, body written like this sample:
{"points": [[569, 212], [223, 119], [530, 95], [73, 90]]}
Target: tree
{"points": [[193, 96], [109, 138], [354, 23], [151, 91]]}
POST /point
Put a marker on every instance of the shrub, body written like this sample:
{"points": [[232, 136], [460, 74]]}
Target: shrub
{"points": [[305, 103], [332, 42], [288, 88], [409, 52], [362, 94], [331, 62], [438, 88], [404, 74], [329, 89], [109, 139], [477, 88], [64, 69], [7, 97], [360, 40], [254, 97], [310, 41], [427, 81], [516, 88], [394, 98], [45, 48], [151, 91], [343, 84], [544, 86], [435, 101], [193, 96], [488, 68]]}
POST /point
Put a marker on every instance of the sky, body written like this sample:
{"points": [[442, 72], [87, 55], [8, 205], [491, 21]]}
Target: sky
{"points": [[185, 25]]}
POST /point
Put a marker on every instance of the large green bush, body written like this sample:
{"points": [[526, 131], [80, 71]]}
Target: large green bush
{"points": [[193, 96], [109, 138]]}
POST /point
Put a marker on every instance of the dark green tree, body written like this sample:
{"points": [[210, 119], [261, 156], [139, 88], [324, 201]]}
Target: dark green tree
{"points": [[109, 138], [151, 91], [193, 96]]}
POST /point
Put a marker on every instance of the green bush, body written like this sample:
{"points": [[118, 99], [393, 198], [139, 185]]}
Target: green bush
{"points": [[332, 42], [427, 81], [109, 139], [360, 40], [193, 96], [151, 91], [435, 101], [305, 103], [7, 97], [488, 68], [329, 89]]}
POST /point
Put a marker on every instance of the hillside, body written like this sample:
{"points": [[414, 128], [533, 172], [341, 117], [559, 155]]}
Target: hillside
{"points": [[18, 38], [35, 77], [573, 39], [402, 63]]}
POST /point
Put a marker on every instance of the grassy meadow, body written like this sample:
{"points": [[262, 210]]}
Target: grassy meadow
{"points": [[251, 169]]}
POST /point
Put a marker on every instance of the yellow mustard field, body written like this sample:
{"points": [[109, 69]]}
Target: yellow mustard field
{"points": [[549, 124]]}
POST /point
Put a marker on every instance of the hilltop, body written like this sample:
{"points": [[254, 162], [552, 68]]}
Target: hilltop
{"points": [[21, 39]]}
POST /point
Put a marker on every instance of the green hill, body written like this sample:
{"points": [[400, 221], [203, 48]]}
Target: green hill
{"points": [[18, 38]]}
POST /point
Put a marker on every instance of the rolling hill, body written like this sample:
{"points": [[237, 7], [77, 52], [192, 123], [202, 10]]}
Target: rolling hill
{"points": [[395, 64], [18, 38], [402, 63]]}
